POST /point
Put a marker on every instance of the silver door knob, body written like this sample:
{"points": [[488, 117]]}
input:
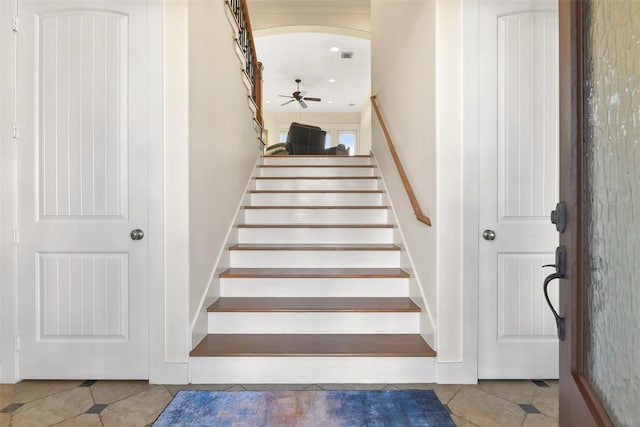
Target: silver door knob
{"points": [[489, 235], [137, 234]]}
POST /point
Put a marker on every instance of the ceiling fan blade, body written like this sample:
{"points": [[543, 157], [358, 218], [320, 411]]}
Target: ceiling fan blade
{"points": [[288, 102], [285, 96], [304, 104], [313, 99]]}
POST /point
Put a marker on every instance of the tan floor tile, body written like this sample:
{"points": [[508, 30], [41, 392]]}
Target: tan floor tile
{"points": [[173, 389], [517, 391], [138, 410], [5, 419], [445, 392], [6, 394], [314, 387], [113, 391], [415, 386], [28, 391], [484, 409], [275, 387], [236, 388], [539, 420], [352, 386], [54, 409], [546, 401], [461, 422], [84, 420]]}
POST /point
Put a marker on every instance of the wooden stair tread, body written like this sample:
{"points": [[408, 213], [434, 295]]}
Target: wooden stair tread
{"points": [[316, 166], [309, 345], [315, 225], [313, 247], [314, 273], [315, 207], [316, 177], [308, 304], [316, 191], [330, 156]]}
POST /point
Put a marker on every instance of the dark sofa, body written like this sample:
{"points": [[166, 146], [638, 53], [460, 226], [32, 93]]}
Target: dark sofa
{"points": [[305, 139]]}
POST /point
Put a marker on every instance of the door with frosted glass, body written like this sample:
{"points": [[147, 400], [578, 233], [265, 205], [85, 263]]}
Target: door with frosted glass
{"points": [[599, 182]]}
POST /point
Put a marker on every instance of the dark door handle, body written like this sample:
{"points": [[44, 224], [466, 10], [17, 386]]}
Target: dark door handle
{"points": [[559, 320], [559, 274]]}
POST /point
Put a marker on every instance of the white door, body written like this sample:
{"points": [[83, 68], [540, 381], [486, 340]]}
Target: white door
{"points": [[518, 187], [82, 189]]}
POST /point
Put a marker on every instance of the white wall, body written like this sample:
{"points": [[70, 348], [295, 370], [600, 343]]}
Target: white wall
{"points": [[404, 83], [350, 15], [417, 77], [365, 128], [222, 142], [210, 152]]}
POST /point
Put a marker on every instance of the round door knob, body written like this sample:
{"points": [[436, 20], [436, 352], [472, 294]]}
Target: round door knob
{"points": [[489, 235], [137, 234]]}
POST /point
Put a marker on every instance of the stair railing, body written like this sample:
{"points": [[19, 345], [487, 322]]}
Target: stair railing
{"points": [[253, 68], [403, 176]]}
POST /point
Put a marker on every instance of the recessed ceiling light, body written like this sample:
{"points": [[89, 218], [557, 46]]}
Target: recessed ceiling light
{"points": [[268, 102], [330, 102], [334, 49], [332, 80]]}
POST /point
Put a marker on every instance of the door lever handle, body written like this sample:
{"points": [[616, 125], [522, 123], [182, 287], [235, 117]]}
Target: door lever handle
{"points": [[559, 274], [559, 320]]}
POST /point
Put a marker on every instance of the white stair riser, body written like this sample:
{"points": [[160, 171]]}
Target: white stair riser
{"points": [[316, 160], [315, 235], [314, 287], [311, 171], [317, 184], [315, 216], [316, 199], [312, 370], [313, 323], [314, 259]]}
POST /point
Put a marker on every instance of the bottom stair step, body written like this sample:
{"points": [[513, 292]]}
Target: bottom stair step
{"points": [[313, 345]]}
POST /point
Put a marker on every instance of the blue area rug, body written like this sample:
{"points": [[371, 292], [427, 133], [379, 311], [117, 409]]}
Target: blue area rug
{"points": [[388, 408]]}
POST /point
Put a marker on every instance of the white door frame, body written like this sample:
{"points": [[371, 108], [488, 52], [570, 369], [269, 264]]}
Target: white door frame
{"points": [[9, 370], [470, 179], [7, 206]]}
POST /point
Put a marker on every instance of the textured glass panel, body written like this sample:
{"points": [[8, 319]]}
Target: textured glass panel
{"points": [[612, 203]]}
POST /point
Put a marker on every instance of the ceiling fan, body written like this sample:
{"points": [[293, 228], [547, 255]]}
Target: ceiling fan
{"points": [[299, 96]]}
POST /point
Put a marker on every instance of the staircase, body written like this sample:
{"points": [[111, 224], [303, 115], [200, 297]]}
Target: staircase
{"points": [[315, 292]]}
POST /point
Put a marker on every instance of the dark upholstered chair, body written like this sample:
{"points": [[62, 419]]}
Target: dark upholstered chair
{"points": [[305, 139]]}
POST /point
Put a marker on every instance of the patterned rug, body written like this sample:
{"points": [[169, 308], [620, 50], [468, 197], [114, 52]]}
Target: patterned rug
{"points": [[388, 408]]}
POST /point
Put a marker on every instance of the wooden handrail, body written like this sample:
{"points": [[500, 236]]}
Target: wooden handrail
{"points": [[257, 66], [403, 176], [253, 69]]}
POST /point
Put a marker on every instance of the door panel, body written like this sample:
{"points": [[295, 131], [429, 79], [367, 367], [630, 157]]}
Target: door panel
{"points": [[518, 187], [599, 361], [82, 188], [82, 67]]}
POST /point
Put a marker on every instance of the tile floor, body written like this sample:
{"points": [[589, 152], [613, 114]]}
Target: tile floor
{"points": [[137, 403]]}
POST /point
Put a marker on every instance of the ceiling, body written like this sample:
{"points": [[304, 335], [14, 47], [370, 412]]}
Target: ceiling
{"points": [[308, 56]]}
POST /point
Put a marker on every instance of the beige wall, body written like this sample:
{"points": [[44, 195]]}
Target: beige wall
{"points": [[210, 153], [222, 142], [421, 103], [350, 15]]}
